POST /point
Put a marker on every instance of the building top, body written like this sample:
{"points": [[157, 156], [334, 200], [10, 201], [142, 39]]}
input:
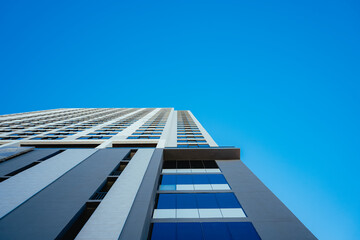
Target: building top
{"points": [[105, 127]]}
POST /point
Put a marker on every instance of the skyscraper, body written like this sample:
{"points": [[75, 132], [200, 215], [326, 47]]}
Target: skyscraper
{"points": [[129, 173]]}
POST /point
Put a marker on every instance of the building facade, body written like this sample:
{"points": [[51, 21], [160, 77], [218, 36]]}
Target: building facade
{"points": [[130, 173]]}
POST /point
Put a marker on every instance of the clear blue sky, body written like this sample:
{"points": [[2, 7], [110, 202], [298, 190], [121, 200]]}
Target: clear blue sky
{"points": [[279, 79]]}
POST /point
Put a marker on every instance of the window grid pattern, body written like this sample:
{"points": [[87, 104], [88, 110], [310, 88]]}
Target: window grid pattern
{"points": [[28, 126], [153, 128], [196, 195], [188, 133], [204, 231], [116, 127], [79, 126]]}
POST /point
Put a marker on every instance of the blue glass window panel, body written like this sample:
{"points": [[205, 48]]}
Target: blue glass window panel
{"points": [[216, 231], [182, 146], [243, 230], [163, 231], [167, 201], [200, 179], [154, 137], [186, 201], [217, 179], [168, 187], [168, 180], [189, 231], [227, 200], [184, 179], [206, 200], [204, 146]]}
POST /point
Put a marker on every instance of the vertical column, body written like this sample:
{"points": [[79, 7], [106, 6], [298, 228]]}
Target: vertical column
{"points": [[26, 184], [109, 218]]}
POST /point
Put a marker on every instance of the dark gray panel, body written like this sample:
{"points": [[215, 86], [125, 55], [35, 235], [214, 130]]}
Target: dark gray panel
{"points": [[222, 153], [271, 218], [23, 160], [46, 214], [7, 153], [138, 222]]}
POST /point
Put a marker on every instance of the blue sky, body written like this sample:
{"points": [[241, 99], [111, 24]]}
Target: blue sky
{"points": [[279, 79]]}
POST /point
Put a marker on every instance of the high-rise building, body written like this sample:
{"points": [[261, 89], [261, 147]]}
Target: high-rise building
{"points": [[130, 173]]}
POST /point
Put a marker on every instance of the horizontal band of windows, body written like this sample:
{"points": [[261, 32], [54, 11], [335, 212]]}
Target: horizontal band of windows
{"points": [[190, 137], [197, 200], [183, 130], [181, 133], [204, 231], [110, 130], [194, 187], [143, 137], [182, 164], [47, 138], [146, 133], [194, 170], [102, 133], [142, 129], [191, 141], [59, 133], [193, 179], [193, 145], [94, 137], [199, 213]]}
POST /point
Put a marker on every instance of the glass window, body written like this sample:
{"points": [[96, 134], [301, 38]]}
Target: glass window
{"points": [[184, 179], [206, 200], [163, 231], [168, 187], [232, 213], [169, 164], [154, 137], [210, 213], [167, 201], [168, 180], [201, 179], [220, 187], [215, 231], [185, 187], [243, 230], [210, 164], [196, 164], [183, 164], [217, 179], [186, 201], [227, 200], [188, 231]]}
